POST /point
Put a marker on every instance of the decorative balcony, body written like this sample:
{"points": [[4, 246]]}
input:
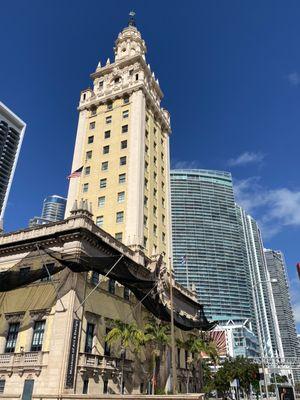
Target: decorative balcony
{"points": [[98, 364], [32, 361]]}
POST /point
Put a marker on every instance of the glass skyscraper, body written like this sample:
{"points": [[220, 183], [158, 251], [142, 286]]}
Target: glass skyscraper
{"points": [[54, 208], [208, 248]]}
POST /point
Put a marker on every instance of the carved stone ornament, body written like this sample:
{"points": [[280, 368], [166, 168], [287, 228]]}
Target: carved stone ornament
{"points": [[14, 316], [37, 315]]}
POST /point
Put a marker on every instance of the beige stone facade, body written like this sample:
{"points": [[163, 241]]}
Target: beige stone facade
{"points": [[122, 144], [47, 349]]}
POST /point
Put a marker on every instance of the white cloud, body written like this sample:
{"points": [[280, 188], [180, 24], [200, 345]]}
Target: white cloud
{"points": [[193, 164], [246, 158], [294, 78], [274, 208]]}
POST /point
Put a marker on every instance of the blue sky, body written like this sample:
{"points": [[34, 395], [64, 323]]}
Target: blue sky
{"points": [[230, 71]]}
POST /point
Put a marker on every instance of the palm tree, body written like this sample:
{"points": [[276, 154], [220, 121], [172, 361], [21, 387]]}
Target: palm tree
{"points": [[129, 336], [157, 336], [197, 344]]}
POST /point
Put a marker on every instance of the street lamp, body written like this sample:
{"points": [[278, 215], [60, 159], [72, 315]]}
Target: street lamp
{"points": [[254, 287]]}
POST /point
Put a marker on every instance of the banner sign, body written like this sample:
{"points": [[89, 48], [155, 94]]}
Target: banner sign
{"points": [[73, 354]]}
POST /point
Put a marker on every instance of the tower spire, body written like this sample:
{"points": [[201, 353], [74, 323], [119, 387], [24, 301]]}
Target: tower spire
{"points": [[131, 21]]}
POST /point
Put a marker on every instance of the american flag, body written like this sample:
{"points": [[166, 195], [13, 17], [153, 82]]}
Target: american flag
{"points": [[76, 173]]}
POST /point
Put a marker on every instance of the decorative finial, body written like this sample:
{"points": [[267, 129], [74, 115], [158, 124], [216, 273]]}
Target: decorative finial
{"points": [[131, 21]]}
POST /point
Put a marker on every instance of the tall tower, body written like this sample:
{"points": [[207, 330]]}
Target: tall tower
{"points": [[122, 147]]}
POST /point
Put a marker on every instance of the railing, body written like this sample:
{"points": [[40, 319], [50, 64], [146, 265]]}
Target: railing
{"points": [[23, 360], [87, 360]]}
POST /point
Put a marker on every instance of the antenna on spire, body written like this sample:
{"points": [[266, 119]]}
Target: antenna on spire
{"points": [[131, 21]]}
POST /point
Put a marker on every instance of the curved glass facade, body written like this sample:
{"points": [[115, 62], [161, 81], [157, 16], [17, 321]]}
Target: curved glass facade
{"points": [[208, 243], [54, 208]]}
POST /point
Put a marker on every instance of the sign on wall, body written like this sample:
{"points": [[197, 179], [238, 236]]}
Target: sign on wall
{"points": [[73, 354]]}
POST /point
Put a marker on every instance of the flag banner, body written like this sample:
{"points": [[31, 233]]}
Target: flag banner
{"points": [[76, 173]]}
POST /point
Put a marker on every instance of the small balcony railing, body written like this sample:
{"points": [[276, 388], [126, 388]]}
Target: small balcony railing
{"points": [[100, 362], [33, 360]]}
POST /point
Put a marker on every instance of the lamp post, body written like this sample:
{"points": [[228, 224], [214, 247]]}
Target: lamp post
{"points": [[257, 311]]}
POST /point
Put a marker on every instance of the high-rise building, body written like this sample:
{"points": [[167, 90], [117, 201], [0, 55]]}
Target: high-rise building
{"points": [[280, 286], [122, 149], [54, 208], [266, 326], [12, 130], [207, 245]]}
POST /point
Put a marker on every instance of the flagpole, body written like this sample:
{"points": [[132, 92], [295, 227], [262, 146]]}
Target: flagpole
{"points": [[174, 370]]}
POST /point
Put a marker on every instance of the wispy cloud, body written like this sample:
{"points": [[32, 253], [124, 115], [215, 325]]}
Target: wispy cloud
{"points": [[245, 158], [192, 164], [294, 78], [274, 208]]}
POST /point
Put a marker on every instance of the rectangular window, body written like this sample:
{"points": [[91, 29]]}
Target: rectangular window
{"points": [[154, 210], [146, 183], [104, 166], [101, 84], [154, 131], [122, 178], [126, 100], [112, 286], [92, 125], [87, 170], [145, 241], [106, 345], [162, 170], [105, 385], [2, 385], [146, 134], [163, 186], [108, 119], [121, 197], [145, 200], [126, 293], [11, 337], [119, 236], [38, 336], [99, 220], [163, 219], [154, 192], [103, 183], [146, 148], [125, 114], [162, 156], [101, 201], [89, 338], [85, 387], [94, 112], [90, 139], [154, 175], [50, 268], [117, 79], [155, 146], [95, 277], [124, 144], [154, 160], [145, 220], [131, 72], [105, 149], [85, 187], [120, 216], [146, 166], [88, 155], [109, 105], [163, 202], [136, 77], [123, 160], [163, 237], [106, 134], [155, 229], [124, 128]]}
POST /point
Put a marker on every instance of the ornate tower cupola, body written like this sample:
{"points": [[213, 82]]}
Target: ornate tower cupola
{"points": [[129, 42]]}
